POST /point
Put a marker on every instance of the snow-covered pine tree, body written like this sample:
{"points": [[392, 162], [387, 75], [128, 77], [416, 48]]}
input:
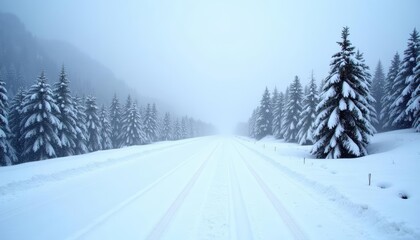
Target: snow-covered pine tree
{"points": [[124, 118], [252, 122], [40, 122], [342, 123], [293, 110], [7, 152], [284, 112], [404, 84], [93, 125], [378, 90], [184, 131], [265, 116], [106, 129], [390, 88], [413, 105], [177, 130], [308, 114], [81, 129], [365, 77], [115, 121], [67, 116], [276, 110], [15, 119], [154, 122], [166, 128], [132, 128], [149, 124]]}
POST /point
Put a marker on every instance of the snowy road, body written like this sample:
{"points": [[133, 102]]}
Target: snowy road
{"points": [[205, 188]]}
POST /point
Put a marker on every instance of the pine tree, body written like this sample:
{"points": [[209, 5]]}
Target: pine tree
{"points": [[413, 105], [15, 119], [308, 115], [177, 130], [40, 122], [365, 77], [7, 152], [284, 112], [342, 123], [252, 123], [404, 84], [265, 116], [166, 128], [184, 127], [278, 110], [67, 133], [106, 129], [390, 88], [191, 128], [149, 124], [378, 90], [293, 110], [115, 122], [274, 105], [153, 125], [93, 125], [132, 128], [81, 129], [124, 118]]}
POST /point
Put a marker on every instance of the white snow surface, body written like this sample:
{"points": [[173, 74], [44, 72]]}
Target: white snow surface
{"points": [[217, 187]]}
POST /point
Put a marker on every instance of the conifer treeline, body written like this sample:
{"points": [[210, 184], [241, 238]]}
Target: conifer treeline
{"points": [[44, 122], [350, 106]]}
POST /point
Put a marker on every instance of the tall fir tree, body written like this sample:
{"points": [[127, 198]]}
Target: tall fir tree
{"points": [[15, 119], [404, 84], [390, 88], [7, 152], [81, 129], [413, 105], [115, 121], [149, 124], [343, 123], [292, 111], [365, 77], [67, 133], [265, 116], [184, 127], [106, 129], [132, 128], [154, 123], [308, 114], [378, 91], [252, 123], [93, 125], [177, 130], [166, 127], [40, 122], [276, 105]]}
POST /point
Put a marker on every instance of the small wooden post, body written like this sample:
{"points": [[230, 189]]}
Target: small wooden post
{"points": [[370, 178], [275, 149], [304, 160], [264, 146]]}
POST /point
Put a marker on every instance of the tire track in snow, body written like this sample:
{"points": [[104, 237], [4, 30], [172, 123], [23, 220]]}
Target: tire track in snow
{"points": [[113, 211], [39, 180], [278, 206], [170, 213], [243, 227]]}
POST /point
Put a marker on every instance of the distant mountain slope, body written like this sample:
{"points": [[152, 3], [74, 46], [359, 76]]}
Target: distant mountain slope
{"points": [[23, 56]]}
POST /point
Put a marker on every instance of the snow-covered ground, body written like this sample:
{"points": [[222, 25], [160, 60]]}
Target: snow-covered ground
{"points": [[216, 188]]}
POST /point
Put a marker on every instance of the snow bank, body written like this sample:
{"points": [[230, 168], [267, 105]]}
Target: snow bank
{"points": [[391, 202]]}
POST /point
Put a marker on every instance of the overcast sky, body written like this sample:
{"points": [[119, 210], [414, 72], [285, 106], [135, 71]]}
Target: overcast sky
{"points": [[213, 59]]}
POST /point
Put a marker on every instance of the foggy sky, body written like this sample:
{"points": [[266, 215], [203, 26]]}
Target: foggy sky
{"points": [[212, 59]]}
